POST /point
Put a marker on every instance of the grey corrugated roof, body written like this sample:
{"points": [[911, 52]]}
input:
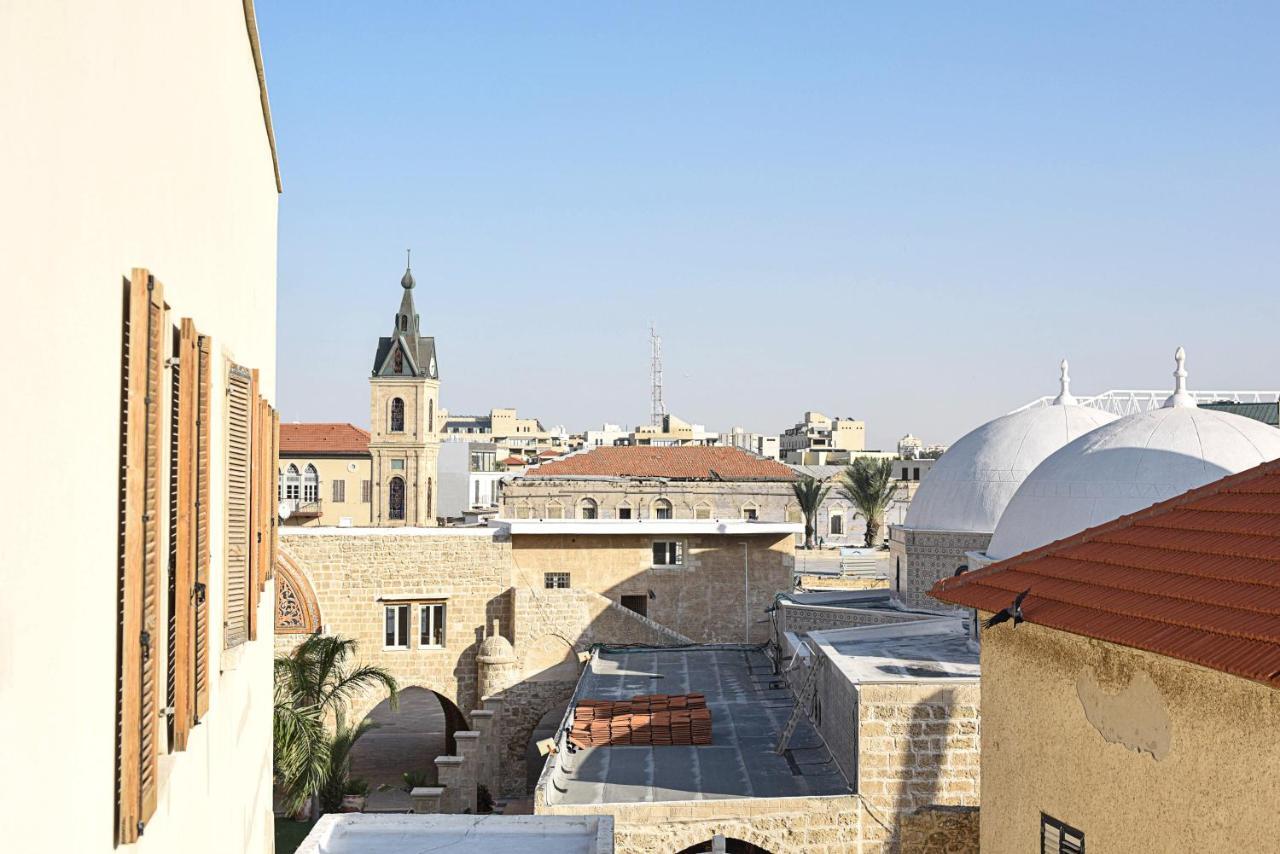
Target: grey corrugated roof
{"points": [[1267, 413]]}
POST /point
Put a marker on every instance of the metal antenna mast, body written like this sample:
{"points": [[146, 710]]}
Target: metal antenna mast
{"points": [[659, 408]]}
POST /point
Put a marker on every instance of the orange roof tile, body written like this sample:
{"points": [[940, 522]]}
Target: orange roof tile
{"points": [[336, 438], [691, 462], [1196, 577]]}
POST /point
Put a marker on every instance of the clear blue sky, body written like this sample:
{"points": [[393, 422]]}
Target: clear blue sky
{"points": [[906, 216]]}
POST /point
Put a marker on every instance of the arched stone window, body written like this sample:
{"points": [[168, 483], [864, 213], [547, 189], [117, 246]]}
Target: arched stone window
{"points": [[395, 499], [555, 510], [662, 509], [702, 510], [310, 485], [431, 416], [292, 483], [837, 524], [587, 508], [430, 490], [397, 415]]}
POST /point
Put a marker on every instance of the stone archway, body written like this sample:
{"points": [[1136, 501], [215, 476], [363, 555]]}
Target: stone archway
{"points": [[725, 844], [407, 739], [297, 611]]}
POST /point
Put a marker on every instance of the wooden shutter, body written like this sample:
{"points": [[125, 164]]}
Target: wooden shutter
{"points": [[183, 652], [140, 559], [273, 472], [238, 524], [203, 413], [255, 505]]}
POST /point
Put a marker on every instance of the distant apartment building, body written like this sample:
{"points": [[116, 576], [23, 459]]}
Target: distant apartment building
{"points": [[661, 483], [470, 480], [913, 448], [813, 439], [325, 476], [139, 221], [756, 443], [512, 435], [672, 433], [607, 434]]}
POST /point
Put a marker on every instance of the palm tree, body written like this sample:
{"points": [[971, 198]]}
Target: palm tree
{"points": [[810, 492], [315, 685], [869, 486]]}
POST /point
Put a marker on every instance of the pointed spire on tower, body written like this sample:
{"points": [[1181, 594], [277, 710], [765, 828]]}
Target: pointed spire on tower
{"points": [[406, 281], [1180, 396], [1065, 397]]}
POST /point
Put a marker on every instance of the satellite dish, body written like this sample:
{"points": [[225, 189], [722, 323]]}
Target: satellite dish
{"points": [[283, 510]]}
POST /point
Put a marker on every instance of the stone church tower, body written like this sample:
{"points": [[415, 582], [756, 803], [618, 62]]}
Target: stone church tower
{"points": [[403, 441]]}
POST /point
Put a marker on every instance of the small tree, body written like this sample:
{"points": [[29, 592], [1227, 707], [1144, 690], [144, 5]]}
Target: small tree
{"points": [[810, 493], [316, 685], [869, 486]]}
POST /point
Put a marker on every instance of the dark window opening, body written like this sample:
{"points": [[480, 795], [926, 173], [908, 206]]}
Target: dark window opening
{"points": [[395, 499], [639, 604]]}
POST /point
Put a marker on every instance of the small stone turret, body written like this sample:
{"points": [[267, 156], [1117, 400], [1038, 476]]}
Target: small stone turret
{"points": [[497, 667]]}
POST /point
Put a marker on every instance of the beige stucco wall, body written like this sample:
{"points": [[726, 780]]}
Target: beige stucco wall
{"points": [[331, 469], [703, 599], [134, 136], [1139, 751]]}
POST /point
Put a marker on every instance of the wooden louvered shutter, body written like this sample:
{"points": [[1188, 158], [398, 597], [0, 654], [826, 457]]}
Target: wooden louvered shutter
{"points": [[239, 524], [273, 470], [204, 399], [255, 504], [140, 560], [182, 651]]}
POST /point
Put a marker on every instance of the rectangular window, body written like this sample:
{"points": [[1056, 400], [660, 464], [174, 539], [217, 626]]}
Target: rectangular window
{"points": [[396, 628], [624, 512], [366, 491], [750, 514], [397, 465], [339, 491], [556, 580], [555, 511], [431, 624], [662, 511], [668, 553], [1057, 837], [702, 511], [639, 604], [238, 460], [524, 512], [915, 473]]}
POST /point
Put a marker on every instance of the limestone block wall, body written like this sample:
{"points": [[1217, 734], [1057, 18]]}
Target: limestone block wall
{"points": [[919, 559], [918, 746], [350, 573], [941, 830], [816, 825], [704, 599], [539, 498]]}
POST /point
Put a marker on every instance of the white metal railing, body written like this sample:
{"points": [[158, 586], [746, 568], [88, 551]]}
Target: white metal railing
{"points": [[1121, 402]]}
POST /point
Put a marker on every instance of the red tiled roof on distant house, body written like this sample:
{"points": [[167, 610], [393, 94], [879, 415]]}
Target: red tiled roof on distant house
{"points": [[341, 439], [691, 462], [1196, 578], [514, 461]]}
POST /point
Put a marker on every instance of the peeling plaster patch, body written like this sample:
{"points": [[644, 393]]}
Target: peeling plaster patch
{"points": [[1134, 716]]}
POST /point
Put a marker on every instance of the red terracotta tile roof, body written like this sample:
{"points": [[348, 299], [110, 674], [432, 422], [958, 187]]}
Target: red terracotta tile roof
{"points": [[1195, 578], [691, 462], [513, 461], [323, 439]]}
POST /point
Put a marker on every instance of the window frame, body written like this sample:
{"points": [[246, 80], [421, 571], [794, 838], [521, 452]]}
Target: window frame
{"points": [[425, 626], [662, 506], [674, 553], [387, 609], [551, 580], [1061, 828]]}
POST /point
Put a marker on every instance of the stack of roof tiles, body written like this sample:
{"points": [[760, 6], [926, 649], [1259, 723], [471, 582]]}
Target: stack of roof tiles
{"points": [[1195, 578], [691, 462], [646, 719]]}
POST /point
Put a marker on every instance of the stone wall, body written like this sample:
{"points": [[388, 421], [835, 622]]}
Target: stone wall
{"points": [[817, 825], [918, 746], [533, 497], [919, 559], [810, 618], [702, 599], [939, 829]]}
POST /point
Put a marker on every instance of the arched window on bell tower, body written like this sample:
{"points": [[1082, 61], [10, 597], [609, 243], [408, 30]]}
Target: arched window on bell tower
{"points": [[395, 499], [397, 415], [431, 416], [397, 360]]}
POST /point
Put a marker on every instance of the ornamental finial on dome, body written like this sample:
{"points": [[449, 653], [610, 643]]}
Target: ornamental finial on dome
{"points": [[1180, 396], [406, 281], [1065, 397]]}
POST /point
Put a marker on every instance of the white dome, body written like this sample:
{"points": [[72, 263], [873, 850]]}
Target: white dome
{"points": [[1127, 465], [969, 486]]}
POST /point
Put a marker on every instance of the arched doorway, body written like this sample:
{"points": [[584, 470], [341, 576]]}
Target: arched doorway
{"points": [[407, 739], [724, 845]]}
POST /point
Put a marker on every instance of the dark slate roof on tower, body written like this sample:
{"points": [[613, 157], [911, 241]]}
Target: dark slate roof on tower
{"points": [[419, 351]]}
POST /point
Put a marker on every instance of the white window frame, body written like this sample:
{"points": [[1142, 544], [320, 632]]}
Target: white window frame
{"points": [[427, 621], [407, 626], [551, 580], [674, 553], [657, 506]]}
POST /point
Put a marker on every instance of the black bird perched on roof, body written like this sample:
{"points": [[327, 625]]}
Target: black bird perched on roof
{"points": [[1013, 612]]}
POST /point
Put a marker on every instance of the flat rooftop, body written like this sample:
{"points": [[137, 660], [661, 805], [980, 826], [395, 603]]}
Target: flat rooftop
{"points": [[749, 709], [365, 833], [921, 651], [870, 599]]}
